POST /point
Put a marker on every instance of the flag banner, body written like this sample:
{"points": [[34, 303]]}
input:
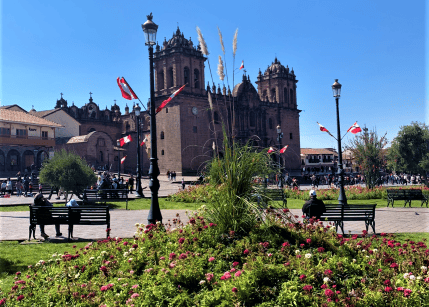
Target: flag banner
{"points": [[123, 160], [127, 91], [355, 128], [164, 103], [125, 140], [242, 65], [322, 128], [143, 142], [270, 150], [284, 149]]}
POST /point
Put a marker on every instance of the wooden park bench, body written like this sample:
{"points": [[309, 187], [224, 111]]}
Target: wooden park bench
{"points": [[42, 215], [104, 195], [338, 214], [407, 195], [265, 195]]}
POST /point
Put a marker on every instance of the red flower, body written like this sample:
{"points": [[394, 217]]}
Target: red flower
{"points": [[246, 252], [308, 241], [329, 292], [2, 301], [302, 277], [407, 292], [388, 289], [387, 282], [20, 298], [320, 249], [235, 263], [234, 289], [307, 288], [394, 265], [181, 240], [286, 244], [103, 268], [328, 272]]}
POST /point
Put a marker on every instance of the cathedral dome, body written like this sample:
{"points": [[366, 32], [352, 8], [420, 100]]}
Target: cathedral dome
{"points": [[276, 67], [178, 40]]}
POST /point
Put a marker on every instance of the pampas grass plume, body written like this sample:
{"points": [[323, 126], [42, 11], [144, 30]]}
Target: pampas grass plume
{"points": [[221, 40], [220, 69], [203, 44], [234, 43]]}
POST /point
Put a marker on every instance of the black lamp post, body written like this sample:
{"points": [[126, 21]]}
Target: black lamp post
{"points": [[139, 190], [118, 144], [342, 200], [279, 139], [149, 29]]}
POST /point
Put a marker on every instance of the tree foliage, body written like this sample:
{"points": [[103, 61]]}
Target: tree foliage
{"points": [[409, 151], [69, 171], [367, 149]]}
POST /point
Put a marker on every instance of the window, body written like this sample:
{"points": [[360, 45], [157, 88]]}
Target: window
{"points": [[101, 142], [264, 95], [127, 127], [186, 75], [166, 110], [291, 97], [162, 135], [270, 123], [162, 152], [4, 131], [160, 81], [196, 78], [45, 135], [273, 95], [290, 136], [285, 97], [21, 133], [101, 156], [194, 129], [170, 77]]}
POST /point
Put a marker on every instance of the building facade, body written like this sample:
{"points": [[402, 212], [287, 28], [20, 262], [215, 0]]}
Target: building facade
{"points": [[319, 160]]}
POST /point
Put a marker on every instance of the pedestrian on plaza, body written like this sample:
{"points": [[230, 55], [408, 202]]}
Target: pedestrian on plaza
{"points": [[168, 175], [30, 188], [3, 187], [19, 188], [131, 183], [183, 183], [75, 215], [26, 186], [313, 207], [18, 176], [39, 200], [9, 186], [40, 188]]}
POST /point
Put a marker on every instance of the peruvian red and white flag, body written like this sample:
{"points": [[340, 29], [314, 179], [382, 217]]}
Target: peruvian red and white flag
{"points": [[284, 149], [355, 128], [143, 142], [127, 91], [242, 65], [164, 103], [123, 160], [323, 128], [271, 150], [125, 140]]}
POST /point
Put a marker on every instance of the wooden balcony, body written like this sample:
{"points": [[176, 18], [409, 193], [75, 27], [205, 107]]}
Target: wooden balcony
{"points": [[26, 140]]}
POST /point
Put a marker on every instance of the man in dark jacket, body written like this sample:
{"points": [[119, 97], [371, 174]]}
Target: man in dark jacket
{"points": [[39, 200], [313, 207]]}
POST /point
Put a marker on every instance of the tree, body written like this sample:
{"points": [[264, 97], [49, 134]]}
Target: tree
{"points": [[69, 171], [409, 151], [367, 150]]}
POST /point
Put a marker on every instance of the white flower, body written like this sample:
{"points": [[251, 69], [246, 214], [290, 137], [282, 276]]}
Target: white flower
{"points": [[37, 264], [103, 253], [269, 255], [367, 256], [297, 252], [419, 277], [424, 268], [137, 224], [412, 277], [77, 276], [308, 256], [364, 250], [131, 249], [54, 255], [406, 275], [126, 254], [92, 258], [202, 282], [354, 260], [326, 280], [131, 259], [158, 222], [375, 250]]}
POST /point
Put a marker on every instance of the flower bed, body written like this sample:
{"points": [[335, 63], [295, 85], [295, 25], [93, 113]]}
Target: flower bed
{"points": [[278, 264]]}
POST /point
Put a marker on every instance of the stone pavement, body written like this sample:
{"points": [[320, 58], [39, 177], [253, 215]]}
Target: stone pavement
{"points": [[14, 225]]}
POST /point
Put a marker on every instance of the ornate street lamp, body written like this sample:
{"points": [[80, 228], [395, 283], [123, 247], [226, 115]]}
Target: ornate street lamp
{"points": [[342, 200], [279, 139], [139, 190], [118, 144], [149, 29]]}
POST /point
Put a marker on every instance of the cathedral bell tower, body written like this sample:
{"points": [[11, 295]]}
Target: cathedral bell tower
{"points": [[178, 62]]}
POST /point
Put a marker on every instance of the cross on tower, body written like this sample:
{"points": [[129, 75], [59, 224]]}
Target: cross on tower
{"points": [[114, 100], [61, 95], [90, 95]]}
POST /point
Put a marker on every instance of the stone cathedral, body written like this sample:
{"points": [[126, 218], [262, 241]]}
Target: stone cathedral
{"points": [[189, 129]]}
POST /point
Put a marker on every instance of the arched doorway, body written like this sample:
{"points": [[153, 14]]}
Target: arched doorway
{"points": [[41, 157], [2, 161], [28, 160], [13, 161]]}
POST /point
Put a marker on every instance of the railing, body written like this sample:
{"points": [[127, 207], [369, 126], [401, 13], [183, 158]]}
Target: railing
{"points": [[25, 137], [313, 161]]}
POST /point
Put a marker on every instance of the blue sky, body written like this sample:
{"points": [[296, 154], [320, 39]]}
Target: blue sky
{"points": [[375, 48]]}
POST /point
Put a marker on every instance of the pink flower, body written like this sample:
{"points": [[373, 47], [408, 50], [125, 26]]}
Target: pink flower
{"points": [[104, 288], [328, 272], [400, 288], [308, 241], [18, 273], [181, 240], [209, 276], [183, 256], [2, 301], [235, 263], [172, 265], [394, 265], [237, 274], [286, 244], [135, 295], [135, 286], [125, 243], [162, 258], [234, 289], [320, 249], [20, 298], [307, 288], [329, 292], [246, 252], [172, 256], [388, 289], [103, 268], [407, 292], [211, 259], [302, 277]]}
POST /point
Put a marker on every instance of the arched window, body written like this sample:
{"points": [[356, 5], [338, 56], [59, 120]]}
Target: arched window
{"points": [[273, 95], [252, 119], [170, 78], [162, 135], [166, 110], [264, 95], [160, 81], [162, 152], [285, 95], [270, 123], [291, 97], [216, 117], [186, 76], [196, 78], [101, 156], [2, 161], [127, 127]]}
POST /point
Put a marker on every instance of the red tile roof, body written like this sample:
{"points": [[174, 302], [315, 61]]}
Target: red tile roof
{"points": [[25, 118], [318, 151]]}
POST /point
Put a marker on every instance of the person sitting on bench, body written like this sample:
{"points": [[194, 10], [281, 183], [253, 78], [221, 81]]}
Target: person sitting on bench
{"points": [[39, 200], [313, 207]]}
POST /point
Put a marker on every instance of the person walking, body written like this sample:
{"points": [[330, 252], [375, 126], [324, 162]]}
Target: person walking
{"points": [[313, 207], [131, 183], [9, 187], [19, 188], [183, 183]]}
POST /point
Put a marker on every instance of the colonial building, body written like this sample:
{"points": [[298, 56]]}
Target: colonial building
{"points": [[25, 140], [319, 160]]}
